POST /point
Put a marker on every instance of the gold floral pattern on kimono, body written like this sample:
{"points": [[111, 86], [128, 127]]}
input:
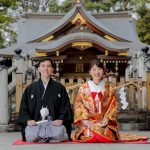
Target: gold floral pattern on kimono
{"points": [[85, 110]]}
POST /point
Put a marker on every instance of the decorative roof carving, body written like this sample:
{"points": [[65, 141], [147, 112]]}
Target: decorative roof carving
{"points": [[78, 19], [78, 2], [81, 28], [82, 45]]}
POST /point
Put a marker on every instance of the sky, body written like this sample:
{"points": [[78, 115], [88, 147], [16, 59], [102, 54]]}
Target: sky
{"points": [[61, 1]]}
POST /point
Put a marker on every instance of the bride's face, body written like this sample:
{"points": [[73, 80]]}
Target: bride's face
{"points": [[96, 73]]}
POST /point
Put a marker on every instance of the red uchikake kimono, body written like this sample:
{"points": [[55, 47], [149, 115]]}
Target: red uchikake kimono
{"points": [[92, 107]]}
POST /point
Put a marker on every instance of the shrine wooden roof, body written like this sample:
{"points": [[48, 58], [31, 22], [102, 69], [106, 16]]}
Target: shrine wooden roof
{"points": [[33, 28]]}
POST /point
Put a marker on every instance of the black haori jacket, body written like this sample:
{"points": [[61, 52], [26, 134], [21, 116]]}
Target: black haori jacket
{"points": [[55, 98]]}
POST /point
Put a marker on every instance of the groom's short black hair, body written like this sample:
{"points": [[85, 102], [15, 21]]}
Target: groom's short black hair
{"points": [[45, 59]]}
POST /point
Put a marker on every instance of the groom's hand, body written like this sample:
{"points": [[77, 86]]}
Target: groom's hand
{"points": [[31, 123], [57, 122]]}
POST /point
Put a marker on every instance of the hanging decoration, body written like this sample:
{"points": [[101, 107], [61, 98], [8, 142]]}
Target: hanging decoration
{"points": [[123, 98]]}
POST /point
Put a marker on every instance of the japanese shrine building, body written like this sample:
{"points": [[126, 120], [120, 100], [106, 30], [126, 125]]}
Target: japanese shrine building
{"points": [[73, 39]]}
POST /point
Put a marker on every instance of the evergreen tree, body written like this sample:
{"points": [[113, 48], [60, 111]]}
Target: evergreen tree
{"points": [[54, 7], [7, 34], [66, 6], [143, 28]]}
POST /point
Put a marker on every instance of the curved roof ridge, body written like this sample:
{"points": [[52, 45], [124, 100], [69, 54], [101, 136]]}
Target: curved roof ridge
{"points": [[65, 20], [75, 37], [100, 25], [62, 21]]}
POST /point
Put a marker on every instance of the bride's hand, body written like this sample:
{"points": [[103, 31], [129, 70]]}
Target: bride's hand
{"points": [[104, 122], [89, 124]]}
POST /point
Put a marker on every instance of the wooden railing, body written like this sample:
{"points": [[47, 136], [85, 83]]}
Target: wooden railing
{"points": [[137, 92]]}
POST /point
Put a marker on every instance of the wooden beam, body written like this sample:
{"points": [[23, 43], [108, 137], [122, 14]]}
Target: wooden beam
{"points": [[19, 88], [140, 108], [62, 81], [131, 95], [70, 81], [148, 91]]}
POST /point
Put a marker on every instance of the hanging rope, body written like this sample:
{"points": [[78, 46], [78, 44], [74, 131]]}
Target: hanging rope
{"points": [[126, 84]]}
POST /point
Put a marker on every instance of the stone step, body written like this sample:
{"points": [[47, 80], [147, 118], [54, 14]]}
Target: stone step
{"points": [[133, 117], [3, 128], [122, 126], [13, 127], [133, 126], [127, 121]]}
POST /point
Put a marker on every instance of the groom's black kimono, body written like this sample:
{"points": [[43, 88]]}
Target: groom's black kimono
{"points": [[55, 98]]}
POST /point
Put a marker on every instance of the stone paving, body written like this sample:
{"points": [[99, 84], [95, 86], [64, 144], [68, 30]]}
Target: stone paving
{"points": [[7, 138]]}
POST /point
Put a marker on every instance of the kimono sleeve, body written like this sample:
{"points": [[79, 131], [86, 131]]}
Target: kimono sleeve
{"points": [[24, 113], [80, 112], [113, 110], [112, 105], [65, 112]]}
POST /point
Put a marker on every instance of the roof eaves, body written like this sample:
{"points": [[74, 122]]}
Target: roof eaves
{"points": [[68, 39]]}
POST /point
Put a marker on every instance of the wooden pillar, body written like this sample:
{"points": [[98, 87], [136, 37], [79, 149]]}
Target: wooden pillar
{"points": [[71, 92], [70, 81], [114, 81], [122, 80], [72, 96], [62, 81], [79, 80], [148, 90], [4, 105], [144, 96], [131, 95], [19, 90], [140, 103]]}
